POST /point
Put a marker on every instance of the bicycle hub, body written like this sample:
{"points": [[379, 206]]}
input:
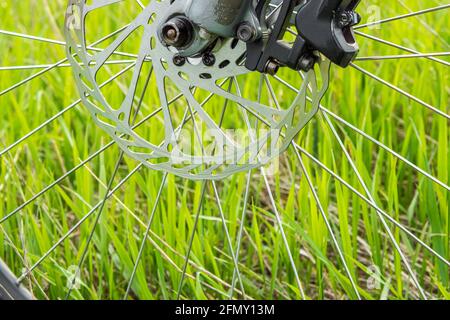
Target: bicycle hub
{"points": [[318, 26]]}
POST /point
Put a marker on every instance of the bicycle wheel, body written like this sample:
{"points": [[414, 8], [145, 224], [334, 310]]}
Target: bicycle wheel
{"points": [[193, 160], [10, 289]]}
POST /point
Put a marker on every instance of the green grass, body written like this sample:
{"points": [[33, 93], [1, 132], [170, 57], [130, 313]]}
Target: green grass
{"points": [[402, 124]]}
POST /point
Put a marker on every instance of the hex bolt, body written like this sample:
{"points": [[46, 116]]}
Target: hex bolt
{"points": [[272, 67], [208, 59], [177, 32], [306, 62], [246, 32], [178, 60], [348, 19]]}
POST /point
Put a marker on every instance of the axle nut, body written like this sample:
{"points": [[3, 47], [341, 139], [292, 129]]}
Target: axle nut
{"points": [[177, 32]]}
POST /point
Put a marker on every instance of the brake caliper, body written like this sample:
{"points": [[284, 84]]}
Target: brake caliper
{"points": [[323, 26]]}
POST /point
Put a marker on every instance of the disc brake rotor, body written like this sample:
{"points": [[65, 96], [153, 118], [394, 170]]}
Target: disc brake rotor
{"points": [[207, 119]]}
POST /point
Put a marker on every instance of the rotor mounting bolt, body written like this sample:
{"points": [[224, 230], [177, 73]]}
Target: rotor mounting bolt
{"points": [[177, 32], [179, 60], [208, 59], [272, 67], [246, 32]]}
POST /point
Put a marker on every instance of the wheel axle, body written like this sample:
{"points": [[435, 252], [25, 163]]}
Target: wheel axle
{"points": [[177, 32]]}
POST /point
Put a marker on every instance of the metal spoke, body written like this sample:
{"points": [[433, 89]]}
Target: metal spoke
{"points": [[60, 114], [110, 184], [68, 173], [53, 66], [64, 65], [371, 198], [328, 225], [9, 241], [78, 224], [31, 37], [261, 114], [386, 148], [283, 234], [227, 234], [425, 24], [241, 230], [401, 91], [141, 250], [97, 219], [93, 210], [371, 204], [381, 145], [94, 155], [324, 216], [146, 234], [397, 46], [217, 197], [403, 56], [403, 16], [191, 239], [63, 43]]}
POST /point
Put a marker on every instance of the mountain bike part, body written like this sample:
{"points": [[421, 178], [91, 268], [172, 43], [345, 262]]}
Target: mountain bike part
{"points": [[10, 288], [412, 261], [173, 43], [322, 26]]}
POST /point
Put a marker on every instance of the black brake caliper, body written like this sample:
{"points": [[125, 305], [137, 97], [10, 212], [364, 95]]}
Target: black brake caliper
{"points": [[323, 26]]}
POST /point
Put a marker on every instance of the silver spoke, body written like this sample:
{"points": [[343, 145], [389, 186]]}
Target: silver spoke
{"points": [[59, 114], [99, 212], [328, 225], [372, 204], [31, 37], [386, 148], [425, 24], [140, 4], [371, 198], [241, 230], [404, 56], [146, 234], [397, 46], [401, 91], [64, 65], [227, 234], [319, 204], [63, 43], [381, 145], [56, 65], [191, 239], [110, 185], [78, 224], [403, 16], [68, 173], [283, 234]]}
